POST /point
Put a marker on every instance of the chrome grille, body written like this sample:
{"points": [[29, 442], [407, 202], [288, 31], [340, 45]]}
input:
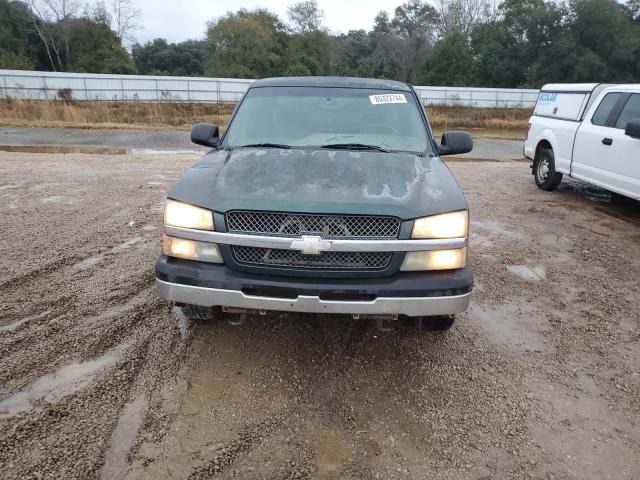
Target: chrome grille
{"points": [[326, 226], [328, 260]]}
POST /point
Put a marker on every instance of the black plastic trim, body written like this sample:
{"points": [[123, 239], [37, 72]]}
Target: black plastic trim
{"points": [[404, 284]]}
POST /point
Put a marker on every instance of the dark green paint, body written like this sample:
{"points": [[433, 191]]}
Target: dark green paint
{"points": [[321, 181]]}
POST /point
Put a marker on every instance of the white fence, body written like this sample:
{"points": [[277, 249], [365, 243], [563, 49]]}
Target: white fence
{"points": [[90, 86]]}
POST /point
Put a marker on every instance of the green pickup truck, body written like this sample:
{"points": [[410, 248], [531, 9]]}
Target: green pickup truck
{"points": [[323, 195]]}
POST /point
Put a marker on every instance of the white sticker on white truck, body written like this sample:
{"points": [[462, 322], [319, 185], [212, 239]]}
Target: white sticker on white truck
{"points": [[561, 105], [387, 98]]}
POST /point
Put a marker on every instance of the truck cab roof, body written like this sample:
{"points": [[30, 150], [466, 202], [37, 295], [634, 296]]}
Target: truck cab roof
{"points": [[569, 87], [587, 87]]}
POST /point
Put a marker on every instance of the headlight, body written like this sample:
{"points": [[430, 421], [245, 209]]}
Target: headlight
{"points": [[178, 214], [191, 250], [435, 260], [446, 225]]}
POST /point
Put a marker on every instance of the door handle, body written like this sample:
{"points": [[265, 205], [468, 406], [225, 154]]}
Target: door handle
{"points": [[607, 141]]}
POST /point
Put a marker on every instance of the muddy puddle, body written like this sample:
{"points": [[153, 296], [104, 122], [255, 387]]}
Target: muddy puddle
{"points": [[518, 327], [95, 150], [119, 310], [63, 149], [94, 260], [116, 459], [331, 449], [17, 324], [64, 381], [616, 206], [456, 159], [531, 274]]}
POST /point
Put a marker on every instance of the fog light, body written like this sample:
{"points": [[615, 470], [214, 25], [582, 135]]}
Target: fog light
{"points": [[191, 250], [435, 260]]}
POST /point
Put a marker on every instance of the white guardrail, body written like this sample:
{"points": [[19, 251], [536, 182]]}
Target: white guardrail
{"points": [[91, 86]]}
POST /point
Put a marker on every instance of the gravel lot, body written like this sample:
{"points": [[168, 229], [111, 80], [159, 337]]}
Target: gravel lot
{"points": [[100, 378]]}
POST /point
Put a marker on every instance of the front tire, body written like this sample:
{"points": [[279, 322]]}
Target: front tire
{"points": [[544, 170], [201, 314]]}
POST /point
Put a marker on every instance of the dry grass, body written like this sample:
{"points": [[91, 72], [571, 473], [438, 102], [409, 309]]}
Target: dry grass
{"points": [[129, 115], [139, 115], [451, 118]]}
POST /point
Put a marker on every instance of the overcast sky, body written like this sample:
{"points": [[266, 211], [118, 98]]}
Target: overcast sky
{"points": [[186, 19]]}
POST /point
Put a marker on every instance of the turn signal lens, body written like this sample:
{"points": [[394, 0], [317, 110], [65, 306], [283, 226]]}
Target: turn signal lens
{"points": [[179, 214], [446, 225], [191, 250], [435, 260]]}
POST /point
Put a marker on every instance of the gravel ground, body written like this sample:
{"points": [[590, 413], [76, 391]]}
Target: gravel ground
{"points": [[100, 378], [148, 141]]}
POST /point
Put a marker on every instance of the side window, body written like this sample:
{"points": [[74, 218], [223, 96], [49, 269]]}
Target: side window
{"points": [[631, 111], [604, 109]]}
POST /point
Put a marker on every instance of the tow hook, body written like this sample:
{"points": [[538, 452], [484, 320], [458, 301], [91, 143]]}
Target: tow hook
{"points": [[237, 320], [239, 315]]}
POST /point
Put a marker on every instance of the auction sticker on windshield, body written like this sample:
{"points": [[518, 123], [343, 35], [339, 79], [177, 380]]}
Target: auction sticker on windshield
{"points": [[388, 98]]}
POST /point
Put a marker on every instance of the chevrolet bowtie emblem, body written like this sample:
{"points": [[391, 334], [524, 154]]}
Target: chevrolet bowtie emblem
{"points": [[310, 245]]}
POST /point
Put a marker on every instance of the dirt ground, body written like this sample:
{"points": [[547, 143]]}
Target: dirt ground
{"points": [[100, 378]]}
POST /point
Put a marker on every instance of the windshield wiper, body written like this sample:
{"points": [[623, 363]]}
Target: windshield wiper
{"points": [[355, 146], [264, 145]]}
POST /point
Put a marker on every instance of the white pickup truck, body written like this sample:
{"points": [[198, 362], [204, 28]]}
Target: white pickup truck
{"points": [[587, 131]]}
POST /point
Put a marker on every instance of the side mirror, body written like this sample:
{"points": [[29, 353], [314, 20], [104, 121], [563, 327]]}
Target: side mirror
{"points": [[454, 143], [633, 129], [205, 134]]}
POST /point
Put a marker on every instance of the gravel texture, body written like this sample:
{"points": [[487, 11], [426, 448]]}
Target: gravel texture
{"points": [[100, 378]]}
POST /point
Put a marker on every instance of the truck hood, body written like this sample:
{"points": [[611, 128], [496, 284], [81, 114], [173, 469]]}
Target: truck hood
{"points": [[321, 181]]}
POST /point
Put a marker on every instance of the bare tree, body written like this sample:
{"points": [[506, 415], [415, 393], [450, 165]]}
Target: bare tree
{"points": [[306, 16], [125, 17], [49, 24], [463, 15], [59, 9]]}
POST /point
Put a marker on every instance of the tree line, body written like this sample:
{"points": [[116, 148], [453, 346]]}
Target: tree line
{"points": [[65, 36], [514, 43]]}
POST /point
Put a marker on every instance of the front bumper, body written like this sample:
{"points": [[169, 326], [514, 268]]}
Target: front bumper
{"points": [[407, 293]]}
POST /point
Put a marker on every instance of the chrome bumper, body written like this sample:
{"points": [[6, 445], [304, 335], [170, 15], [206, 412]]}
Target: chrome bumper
{"points": [[410, 306]]}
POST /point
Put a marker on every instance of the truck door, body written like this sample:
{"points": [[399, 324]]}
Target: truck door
{"points": [[601, 154], [625, 160]]}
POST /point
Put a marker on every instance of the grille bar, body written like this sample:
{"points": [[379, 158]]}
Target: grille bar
{"points": [[326, 226], [327, 260]]}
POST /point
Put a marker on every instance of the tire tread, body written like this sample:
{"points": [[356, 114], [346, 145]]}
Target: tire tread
{"points": [[554, 178], [198, 313]]}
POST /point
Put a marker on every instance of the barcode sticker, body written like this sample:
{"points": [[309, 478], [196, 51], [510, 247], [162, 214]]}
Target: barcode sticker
{"points": [[387, 98]]}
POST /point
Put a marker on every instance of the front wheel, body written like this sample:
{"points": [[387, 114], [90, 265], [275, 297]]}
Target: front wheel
{"points": [[544, 170], [201, 314]]}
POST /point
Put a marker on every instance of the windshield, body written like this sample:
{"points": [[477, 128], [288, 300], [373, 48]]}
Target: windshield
{"points": [[328, 117]]}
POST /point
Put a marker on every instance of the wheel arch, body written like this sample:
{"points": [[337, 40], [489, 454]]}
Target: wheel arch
{"points": [[543, 144], [546, 139]]}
